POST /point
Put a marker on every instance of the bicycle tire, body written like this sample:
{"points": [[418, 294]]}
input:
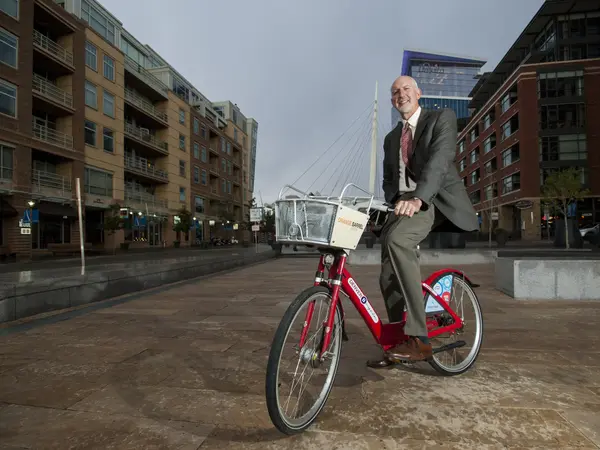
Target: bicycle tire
{"points": [[271, 382], [437, 366]]}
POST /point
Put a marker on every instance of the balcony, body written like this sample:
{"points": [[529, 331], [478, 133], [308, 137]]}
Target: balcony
{"points": [[51, 136], [145, 106], [141, 166], [49, 91], [51, 185], [145, 81], [141, 200], [53, 49], [143, 136]]}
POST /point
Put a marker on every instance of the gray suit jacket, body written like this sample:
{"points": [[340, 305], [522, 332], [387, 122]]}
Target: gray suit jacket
{"points": [[433, 167]]}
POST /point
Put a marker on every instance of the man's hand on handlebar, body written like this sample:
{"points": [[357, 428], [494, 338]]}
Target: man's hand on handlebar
{"points": [[408, 207]]}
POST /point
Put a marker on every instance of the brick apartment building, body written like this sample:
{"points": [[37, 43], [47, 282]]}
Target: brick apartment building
{"points": [[538, 111], [81, 98]]}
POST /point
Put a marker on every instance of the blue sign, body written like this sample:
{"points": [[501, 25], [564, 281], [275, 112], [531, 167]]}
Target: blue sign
{"points": [[27, 219]]}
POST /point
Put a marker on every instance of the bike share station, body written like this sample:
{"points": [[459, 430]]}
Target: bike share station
{"points": [[335, 225]]}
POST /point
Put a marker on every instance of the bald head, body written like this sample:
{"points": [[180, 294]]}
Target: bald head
{"points": [[405, 96]]}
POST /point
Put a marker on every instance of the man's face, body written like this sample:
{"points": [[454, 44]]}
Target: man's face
{"points": [[405, 95]]}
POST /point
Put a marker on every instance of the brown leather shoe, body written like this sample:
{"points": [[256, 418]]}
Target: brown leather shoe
{"points": [[411, 350], [380, 363]]}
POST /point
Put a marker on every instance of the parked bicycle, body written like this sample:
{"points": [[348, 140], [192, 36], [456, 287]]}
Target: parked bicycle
{"points": [[335, 225]]}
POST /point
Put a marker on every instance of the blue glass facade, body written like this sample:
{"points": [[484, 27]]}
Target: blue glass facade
{"points": [[445, 81]]}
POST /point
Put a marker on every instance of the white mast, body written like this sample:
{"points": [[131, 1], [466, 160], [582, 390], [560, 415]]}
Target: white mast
{"points": [[374, 147]]}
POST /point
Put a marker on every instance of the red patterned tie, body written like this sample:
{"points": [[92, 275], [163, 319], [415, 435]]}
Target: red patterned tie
{"points": [[406, 143]]}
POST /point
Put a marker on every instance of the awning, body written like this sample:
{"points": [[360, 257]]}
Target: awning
{"points": [[56, 209], [6, 210]]}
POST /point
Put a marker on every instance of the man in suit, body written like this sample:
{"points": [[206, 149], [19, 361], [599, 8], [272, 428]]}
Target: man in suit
{"points": [[420, 179]]}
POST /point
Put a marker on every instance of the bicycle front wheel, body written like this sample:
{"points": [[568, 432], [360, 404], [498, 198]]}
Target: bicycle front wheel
{"points": [[296, 393]]}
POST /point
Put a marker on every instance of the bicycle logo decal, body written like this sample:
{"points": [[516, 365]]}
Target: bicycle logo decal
{"points": [[363, 300]]}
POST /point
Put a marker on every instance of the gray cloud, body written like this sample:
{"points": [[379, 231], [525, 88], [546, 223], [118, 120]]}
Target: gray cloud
{"points": [[305, 70]]}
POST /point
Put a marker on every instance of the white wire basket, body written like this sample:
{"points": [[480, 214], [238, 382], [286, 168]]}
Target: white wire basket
{"points": [[334, 222]]}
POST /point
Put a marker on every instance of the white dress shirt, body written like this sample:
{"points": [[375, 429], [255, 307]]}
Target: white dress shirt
{"points": [[407, 184]]}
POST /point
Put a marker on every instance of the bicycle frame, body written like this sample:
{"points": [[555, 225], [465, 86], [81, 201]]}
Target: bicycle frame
{"points": [[386, 335]]}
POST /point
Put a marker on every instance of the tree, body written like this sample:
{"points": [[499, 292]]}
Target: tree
{"points": [[183, 225], [113, 221], [560, 189]]}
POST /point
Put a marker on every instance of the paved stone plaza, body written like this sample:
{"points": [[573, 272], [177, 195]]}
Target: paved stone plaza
{"points": [[184, 368]]}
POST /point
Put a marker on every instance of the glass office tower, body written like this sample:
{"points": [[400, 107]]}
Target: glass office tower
{"points": [[445, 80]]}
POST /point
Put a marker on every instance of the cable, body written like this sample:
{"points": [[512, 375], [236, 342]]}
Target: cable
{"points": [[334, 142], [338, 153]]}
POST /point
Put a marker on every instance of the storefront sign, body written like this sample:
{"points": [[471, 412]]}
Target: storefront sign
{"points": [[523, 204]]}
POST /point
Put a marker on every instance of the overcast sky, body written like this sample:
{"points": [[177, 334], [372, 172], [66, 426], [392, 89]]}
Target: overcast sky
{"points": [[306, 69]]}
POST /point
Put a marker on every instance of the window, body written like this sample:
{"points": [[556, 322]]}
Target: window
{"points": [[98, 182], [109, 68], [224, 186], [182, 194], [6, 162], [223, 144], [10, 7], [204, 155], [9, 44], [475, 197], [490, 191], [181, 116], [204, 177], [109, 140], [199, 205], [8, 99], [229, 148], [511, 183], [223, 165], [181, 142], [570, 115], [98, 21], [474, 134], [235, 134], [489, 143], [229, 167], [510, 156], [182, 168], [91, 95], [506, 130], [90, 133], [490, 167], [244, 141], [560, 84], [474, 155], [463, 164], [229, 187], [108, 104], [567, 147], [91, 56], [508, 100], [474, 176], [203, 131], [196, 150], [196, 126], [461, 146], [487, 121], [196, 174]]}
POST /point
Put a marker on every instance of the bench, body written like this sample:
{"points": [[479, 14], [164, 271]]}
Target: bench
{"points": [[67, 249]]}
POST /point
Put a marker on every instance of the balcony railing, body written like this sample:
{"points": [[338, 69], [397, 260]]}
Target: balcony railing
{"points": [[51, 184], [140, 165], [55, 49], [146, 76], [51, 136], [142, 135], [140, 102], [143, 199], [51, 91]]}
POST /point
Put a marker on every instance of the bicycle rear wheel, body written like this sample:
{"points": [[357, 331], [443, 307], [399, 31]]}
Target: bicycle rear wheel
{"points": [[455, 352], [283, 406]]}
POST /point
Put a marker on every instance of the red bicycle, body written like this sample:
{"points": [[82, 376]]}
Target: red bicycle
{"points": [[335, 226]]}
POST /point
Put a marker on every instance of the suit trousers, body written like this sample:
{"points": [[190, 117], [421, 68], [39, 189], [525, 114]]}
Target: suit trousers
{"points": [[400, 279]]}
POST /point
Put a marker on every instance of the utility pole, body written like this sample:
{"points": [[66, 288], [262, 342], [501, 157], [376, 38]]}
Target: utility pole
{"points": [[374, 147]]}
